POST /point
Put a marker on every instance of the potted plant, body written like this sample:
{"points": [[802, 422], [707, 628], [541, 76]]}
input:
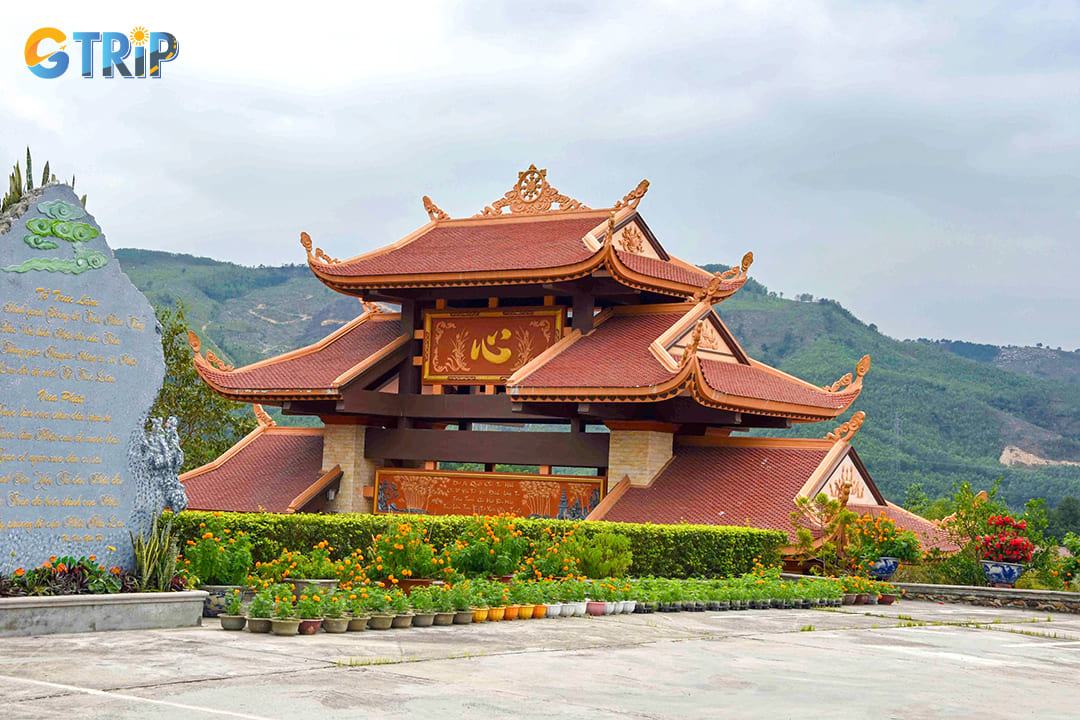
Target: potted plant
{"points": [[399, 606], [520, 595], [535, 595], [404, 558], [489, 547], [422, 602], [233, 617], [335, 619], [377, 606], [260, 610], [284, 620], [880, 546], [444, 605], [309, 608], [315, 570], [461, 599], [574, 593], [1005, 551], [218, 562], [354, 606]]}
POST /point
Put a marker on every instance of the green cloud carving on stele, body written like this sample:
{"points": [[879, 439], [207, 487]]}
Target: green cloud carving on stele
{"points": [[60, 224]]}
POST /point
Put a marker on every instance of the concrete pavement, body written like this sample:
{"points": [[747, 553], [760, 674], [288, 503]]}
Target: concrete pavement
{"points": [[910, 660]]}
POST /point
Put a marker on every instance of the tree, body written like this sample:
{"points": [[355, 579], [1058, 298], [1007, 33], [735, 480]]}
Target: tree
{"points": [[209, 424], [1065, 518]]}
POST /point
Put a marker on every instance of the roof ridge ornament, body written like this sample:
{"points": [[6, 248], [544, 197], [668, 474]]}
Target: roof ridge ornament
{"points": [[532, 195], [712, 289], [262, 416], [861, 368], [318, 256], [632, 198], [847, 431], [211, 356], [372, 308], [433, 210]]}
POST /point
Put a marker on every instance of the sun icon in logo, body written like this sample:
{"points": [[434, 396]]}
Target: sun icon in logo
{"points": [[139, 36]]}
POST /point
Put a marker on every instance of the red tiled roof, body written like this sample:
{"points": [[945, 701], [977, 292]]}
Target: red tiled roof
{"points": [[753, 382], [588, 362], [500, 245], [265, 475], [314, 367], [723, 486], [664, 270]]}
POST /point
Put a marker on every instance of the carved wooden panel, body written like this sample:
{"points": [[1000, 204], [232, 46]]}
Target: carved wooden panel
{"points": [[479, 347], [443, 492]]}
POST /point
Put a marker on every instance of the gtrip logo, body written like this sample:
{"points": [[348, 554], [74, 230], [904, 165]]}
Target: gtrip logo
{"points": [[46, 56]]}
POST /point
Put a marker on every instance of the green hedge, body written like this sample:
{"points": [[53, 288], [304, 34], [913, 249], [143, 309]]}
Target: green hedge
{"points": [[675, 551]]}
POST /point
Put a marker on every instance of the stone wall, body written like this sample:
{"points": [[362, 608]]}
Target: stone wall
{"points": [[638, 454], [1041, 600], [344, 445]]}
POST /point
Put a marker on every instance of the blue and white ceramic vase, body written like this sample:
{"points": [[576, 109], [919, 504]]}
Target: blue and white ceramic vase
{"points": [[884, 568], [1002, 574]]}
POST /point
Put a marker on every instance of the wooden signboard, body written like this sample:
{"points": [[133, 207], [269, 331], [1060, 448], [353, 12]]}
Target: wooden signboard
{"points": [[443, 492], [482, 347]]}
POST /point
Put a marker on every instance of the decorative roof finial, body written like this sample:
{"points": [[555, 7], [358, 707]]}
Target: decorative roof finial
{"points": [[433, 210], [194, 342], [371, 308], [262, 416], [318, 256], [632, 198], [211, 357], [847, 431], [713, 289], [532, 195], [861, 369]]}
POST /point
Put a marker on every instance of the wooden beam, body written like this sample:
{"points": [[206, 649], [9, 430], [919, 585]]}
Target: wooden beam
{"points": [[470, 407], [489, 447]]}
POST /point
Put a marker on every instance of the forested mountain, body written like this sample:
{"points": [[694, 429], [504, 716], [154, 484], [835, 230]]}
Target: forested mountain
{"points": [[938, 412]]}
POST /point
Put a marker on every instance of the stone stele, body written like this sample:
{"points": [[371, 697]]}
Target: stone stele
{"points": [[80, 366]]}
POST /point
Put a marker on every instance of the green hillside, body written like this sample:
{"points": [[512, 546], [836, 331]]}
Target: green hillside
{"points": [[938, 413]]}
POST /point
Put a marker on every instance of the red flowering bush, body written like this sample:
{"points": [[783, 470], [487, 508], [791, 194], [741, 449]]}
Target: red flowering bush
{"points": [[1008, 542]]}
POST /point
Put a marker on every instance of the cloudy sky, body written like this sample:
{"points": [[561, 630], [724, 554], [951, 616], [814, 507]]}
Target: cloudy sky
{"points": [[918, 162]]}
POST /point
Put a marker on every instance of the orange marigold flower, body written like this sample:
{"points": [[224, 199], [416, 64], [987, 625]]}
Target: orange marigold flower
{"points": [[19, 572]]}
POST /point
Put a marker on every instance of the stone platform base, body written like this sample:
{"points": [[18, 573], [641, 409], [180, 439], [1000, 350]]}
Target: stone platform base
{"points": [[1041, 600], [22, 616]]}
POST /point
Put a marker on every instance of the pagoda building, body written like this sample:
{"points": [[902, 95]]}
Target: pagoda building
{"points": [[539, 333]]}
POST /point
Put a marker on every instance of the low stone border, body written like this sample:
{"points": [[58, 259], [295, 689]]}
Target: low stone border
{"points": [[21, 616], [1042, 600]]}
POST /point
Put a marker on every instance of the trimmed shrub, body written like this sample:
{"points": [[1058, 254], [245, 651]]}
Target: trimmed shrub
{"points": [[675, 551]]}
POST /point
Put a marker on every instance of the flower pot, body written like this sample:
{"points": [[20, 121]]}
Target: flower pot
{"points": [[358, 623], [1002, 574], [554, 610], [310, 626], [423, 619], [496, 614], [336, 625], [444, 618], [380, 622], [408, 584], [284, 626], [463, 617], [567, 609], [218, 598], [258, 625], [232, 622], [511, 612], [322, 587], [539, 611], [861, 598], [479, 614], [884, 568], [595, 607], [849, 599], [887, 599], [580, 608], [525, 612], [609, 608], [871, 599], [402, 621]]}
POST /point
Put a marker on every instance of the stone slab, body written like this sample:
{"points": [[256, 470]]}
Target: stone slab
{"points": [[80, 366], [22, 616]]}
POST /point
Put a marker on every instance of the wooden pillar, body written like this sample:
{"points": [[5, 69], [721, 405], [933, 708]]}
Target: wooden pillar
{"points": [[584, 306], [408, 373]]}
